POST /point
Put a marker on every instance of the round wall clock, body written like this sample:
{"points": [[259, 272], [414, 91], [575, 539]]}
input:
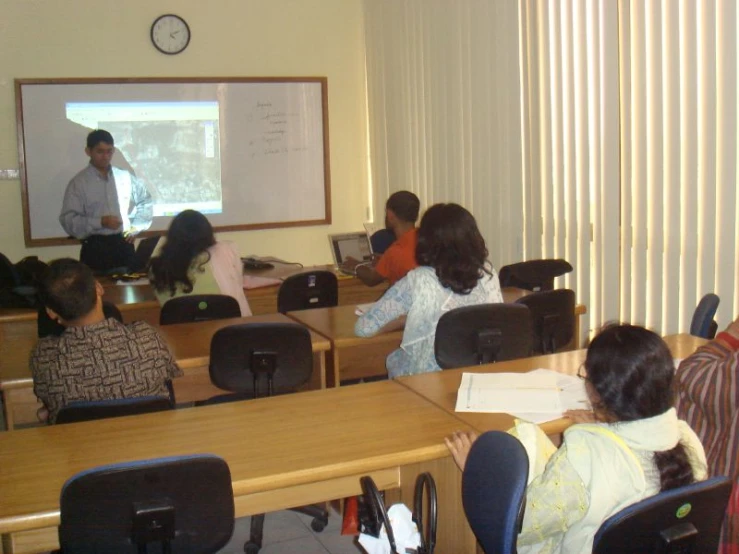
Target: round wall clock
{"points": [[170, 34]]}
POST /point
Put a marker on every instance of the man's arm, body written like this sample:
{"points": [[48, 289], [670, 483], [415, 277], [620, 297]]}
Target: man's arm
{"points": [[365, 271], [73, 218]]}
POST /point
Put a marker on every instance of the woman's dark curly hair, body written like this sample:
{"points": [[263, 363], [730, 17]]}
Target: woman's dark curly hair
{"points": [[189, 235], [631, 369], [450, 242]]}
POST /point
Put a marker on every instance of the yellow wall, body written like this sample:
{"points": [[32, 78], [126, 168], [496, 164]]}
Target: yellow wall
{"points": [[106, 38]]}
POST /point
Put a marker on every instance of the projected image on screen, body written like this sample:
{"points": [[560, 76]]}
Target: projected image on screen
{"points": [[172, 146]]}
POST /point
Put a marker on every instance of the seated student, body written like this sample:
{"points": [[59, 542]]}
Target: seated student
{"points": [[631, 446], [401, 214], [192, 262], [94, 358], [454, 272], [708, 399]]}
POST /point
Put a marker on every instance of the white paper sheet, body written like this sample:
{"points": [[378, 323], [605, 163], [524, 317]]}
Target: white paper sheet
{"points": [[537, 396], [506, 392]]}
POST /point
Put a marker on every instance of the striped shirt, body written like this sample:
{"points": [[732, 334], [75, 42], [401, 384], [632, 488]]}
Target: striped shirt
{"points": [[708, 399]]}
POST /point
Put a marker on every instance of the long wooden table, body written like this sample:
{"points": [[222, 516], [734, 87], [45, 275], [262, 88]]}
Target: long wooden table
{"points": [[138, 302], [441, 387], [189, 342], [353, 357], [282, 451]]}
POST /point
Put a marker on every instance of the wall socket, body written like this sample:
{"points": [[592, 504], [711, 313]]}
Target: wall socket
{"points": [[9, 174]]}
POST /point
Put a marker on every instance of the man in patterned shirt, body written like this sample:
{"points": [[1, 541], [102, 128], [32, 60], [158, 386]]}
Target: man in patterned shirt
{"points": [[94, 358]]}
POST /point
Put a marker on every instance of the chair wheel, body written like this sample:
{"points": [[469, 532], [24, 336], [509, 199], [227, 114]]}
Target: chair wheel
{"points": [[318, 525], [251, 548]]}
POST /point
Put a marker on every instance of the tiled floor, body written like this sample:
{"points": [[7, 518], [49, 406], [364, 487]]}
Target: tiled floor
{"points": [[290, 533]]}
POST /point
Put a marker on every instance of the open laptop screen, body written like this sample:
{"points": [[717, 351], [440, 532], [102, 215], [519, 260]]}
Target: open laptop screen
{"points": [[354, 245]]}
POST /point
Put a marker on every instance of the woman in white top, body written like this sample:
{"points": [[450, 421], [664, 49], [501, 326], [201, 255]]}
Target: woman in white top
{"points": [[631, 446], [454, 272], [192, 262]]}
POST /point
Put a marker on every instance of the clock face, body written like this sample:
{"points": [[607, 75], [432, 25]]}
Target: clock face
{"points": [[170, 34]]}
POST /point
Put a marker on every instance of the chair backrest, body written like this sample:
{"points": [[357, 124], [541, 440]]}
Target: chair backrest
{"points": [[533, 274], [702, 324], [261, 359], [198, 307], [485, 333], [315, 289], [101, 409], [185, 502], [46, 326], [381, 240], [494, 490], [552, 319], [684, 520]]}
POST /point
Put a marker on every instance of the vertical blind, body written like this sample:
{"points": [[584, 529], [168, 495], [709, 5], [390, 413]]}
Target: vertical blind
{"points": [[603, 132], [444, 109], [630, 147]]}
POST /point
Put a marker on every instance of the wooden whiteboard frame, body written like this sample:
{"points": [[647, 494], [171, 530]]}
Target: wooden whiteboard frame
{"points": [[19, 83]]}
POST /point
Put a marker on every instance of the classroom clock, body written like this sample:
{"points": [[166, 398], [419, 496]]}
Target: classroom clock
{"points": [[170, 34]]}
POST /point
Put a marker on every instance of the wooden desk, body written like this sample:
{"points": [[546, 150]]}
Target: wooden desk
{"points": [[138, 302], [311, 446], [441, 387], [189, 342], [355, 357], [351, 290]]}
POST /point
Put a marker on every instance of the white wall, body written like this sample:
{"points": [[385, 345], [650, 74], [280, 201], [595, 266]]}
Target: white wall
{"points": [[105, 38]]}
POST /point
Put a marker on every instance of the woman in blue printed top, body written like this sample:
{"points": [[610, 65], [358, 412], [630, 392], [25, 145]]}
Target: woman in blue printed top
{"points": [[454, 272]]}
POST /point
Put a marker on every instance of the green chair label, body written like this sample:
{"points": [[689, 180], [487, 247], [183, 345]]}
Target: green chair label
{"points": [[683, 510]]}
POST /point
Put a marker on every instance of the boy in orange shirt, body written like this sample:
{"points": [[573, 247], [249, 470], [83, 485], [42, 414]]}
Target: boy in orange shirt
{"points": [[401, 214]]}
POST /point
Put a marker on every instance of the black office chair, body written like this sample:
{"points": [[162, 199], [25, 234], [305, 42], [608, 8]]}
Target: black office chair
{"points": [[552, 319], [482, 334], [494, 490], [198, 307], [702, 323], [101, 409], [679, 521], [178, 505], [46, 326], [533, 275], [381, 240], [315, 289], [263, 359]]}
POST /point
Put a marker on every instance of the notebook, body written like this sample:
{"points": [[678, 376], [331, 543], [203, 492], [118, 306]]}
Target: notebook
{"points": [[350, 245]]}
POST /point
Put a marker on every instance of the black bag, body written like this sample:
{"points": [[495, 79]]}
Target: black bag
{"points": [[20, 283], [372, 512]]}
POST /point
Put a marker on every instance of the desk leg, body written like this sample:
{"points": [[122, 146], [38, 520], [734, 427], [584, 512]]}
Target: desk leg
{"points": [[332, 367], [318, 377], [8, 411]]}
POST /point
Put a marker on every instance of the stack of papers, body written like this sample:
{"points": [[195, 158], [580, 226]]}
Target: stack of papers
{"points": [[538, 396]]}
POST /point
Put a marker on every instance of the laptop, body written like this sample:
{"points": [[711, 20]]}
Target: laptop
{"points": [[143, 254], [350, 245]]}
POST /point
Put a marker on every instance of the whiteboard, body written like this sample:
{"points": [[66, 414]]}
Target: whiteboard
{"points": [[250, 153]]}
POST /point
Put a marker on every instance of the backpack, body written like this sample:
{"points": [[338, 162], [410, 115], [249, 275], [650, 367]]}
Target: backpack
{"points": [[20, 283]]}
